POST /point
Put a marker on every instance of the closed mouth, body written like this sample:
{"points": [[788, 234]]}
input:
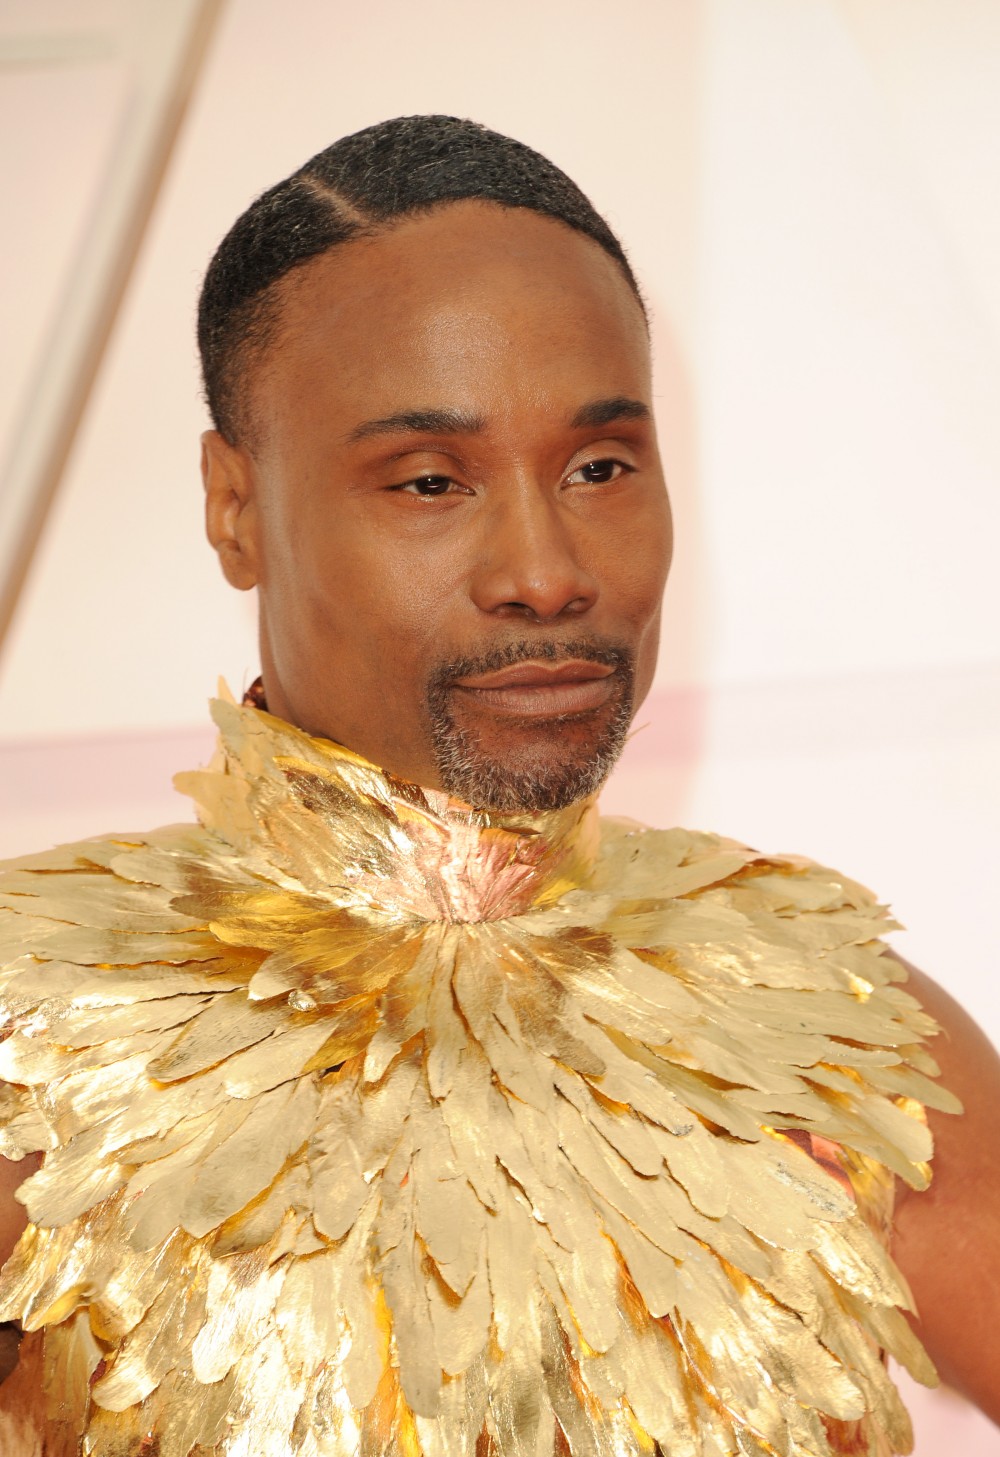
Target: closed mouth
{"points": [[539, 688]]}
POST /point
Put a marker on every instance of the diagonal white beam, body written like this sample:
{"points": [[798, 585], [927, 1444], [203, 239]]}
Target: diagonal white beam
{"points": [[164, 43]]}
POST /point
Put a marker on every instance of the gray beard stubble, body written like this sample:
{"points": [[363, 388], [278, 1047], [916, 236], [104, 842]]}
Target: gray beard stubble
{"points": [[470, 774]]}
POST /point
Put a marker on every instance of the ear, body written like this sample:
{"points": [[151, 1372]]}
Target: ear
{"points": [[230, 508]]}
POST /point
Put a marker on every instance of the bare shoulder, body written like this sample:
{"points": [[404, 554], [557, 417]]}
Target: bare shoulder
{"points": [[947, 1240], [966, 1146]]}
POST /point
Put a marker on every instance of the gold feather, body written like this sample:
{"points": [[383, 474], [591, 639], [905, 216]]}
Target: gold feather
{"points": [[376, 1125]]}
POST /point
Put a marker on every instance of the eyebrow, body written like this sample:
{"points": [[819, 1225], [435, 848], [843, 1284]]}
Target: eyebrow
{"points": [[607, 412], [419, 422], [458, 422]]}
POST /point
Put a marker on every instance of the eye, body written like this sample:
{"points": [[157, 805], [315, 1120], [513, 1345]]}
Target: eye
{"points": [[426, 486], [597, 473]]}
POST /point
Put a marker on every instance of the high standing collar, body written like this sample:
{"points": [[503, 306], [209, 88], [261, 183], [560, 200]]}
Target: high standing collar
{"points": [[336, 824]]}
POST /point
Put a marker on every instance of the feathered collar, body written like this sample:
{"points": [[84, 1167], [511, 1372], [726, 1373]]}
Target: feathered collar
{"points": [[374, 1124]]}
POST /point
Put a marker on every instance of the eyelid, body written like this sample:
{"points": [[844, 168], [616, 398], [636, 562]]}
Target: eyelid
{"points": [[429, 475], [425, 450], [608, 448]]}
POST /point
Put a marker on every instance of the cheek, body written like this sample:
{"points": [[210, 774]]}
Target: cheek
{"points": [[371, 600], [636, 561], [647, 657], [641, 563]]}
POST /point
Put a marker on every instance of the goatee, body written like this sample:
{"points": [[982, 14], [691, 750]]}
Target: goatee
{"points": [[542, 766]]}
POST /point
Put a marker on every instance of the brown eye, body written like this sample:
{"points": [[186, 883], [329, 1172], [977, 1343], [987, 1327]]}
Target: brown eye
{"points": [[427, 486], [597, 473]]}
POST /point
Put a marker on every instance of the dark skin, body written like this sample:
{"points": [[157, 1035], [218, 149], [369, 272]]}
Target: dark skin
{"points": [[946, 1240], [526, 505], [533, 509]]}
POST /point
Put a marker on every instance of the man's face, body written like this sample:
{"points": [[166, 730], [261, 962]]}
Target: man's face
{"points": [[453, 506]]}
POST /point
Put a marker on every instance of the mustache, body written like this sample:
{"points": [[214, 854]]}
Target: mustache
{"points": [[505, 655]]}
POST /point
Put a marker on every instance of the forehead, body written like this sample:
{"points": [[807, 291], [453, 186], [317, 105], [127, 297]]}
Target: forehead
{"points": [[470, 306]]}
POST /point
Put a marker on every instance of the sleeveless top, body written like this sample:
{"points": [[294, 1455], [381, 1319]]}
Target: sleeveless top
{"points": [[374, 1124]]}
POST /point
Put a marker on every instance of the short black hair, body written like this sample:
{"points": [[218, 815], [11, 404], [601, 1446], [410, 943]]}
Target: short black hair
{"points": [[359, 184]]}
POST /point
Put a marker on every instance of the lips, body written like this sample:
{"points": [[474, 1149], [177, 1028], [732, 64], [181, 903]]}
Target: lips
{"points": [[539, 689]]}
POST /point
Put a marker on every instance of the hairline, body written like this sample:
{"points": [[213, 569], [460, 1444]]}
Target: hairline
{"points": [[264, 309]]}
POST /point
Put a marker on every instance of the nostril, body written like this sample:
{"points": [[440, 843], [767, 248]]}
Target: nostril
{"points": [[537, 611]]}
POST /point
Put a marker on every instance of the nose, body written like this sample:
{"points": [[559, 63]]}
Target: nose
{"points": [[530, 562]]}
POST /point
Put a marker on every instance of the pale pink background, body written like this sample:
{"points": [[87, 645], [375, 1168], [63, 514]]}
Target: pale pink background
{"points": [[810, 191]]}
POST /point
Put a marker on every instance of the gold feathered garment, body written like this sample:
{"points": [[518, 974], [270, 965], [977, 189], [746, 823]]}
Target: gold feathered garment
{"points": [[375, 1125]]}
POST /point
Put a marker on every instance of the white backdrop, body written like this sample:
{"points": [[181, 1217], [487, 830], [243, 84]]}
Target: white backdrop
{"points": [[810, 192]]}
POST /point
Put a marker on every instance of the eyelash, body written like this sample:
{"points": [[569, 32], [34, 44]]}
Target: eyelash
{"points": [[403, 486]]}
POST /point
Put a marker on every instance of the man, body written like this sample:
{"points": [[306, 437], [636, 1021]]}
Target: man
{"points": [[399, 1106]]}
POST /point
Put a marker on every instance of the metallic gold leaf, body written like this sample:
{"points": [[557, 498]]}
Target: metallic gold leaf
{"points": [[377, 1125]]}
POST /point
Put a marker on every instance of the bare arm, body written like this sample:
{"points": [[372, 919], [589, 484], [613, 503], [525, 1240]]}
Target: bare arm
{"points": [[947, 1240]]}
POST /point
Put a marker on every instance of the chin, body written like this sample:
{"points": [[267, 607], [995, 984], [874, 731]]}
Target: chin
{"points": [[520, 766]]}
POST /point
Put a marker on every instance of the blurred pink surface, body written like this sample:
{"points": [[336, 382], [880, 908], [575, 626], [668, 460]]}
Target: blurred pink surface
{"points": [[947, 1426]]}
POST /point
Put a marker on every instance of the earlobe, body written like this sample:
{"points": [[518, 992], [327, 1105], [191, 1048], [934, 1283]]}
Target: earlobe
{"points": [[230, 511]]}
